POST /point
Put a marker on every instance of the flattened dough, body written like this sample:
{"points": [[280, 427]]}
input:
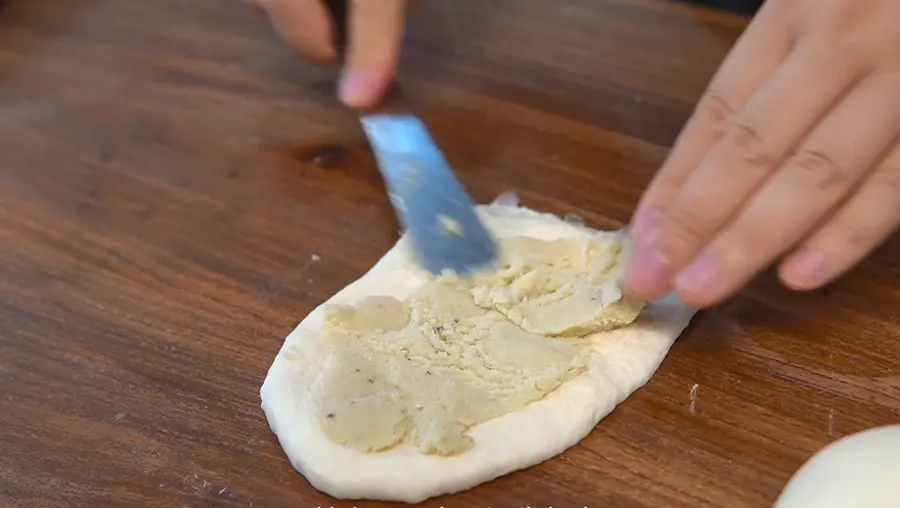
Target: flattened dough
{"points": [[620, 361]]}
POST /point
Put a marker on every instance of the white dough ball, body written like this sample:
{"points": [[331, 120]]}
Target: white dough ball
{"points": [[858, 471]]}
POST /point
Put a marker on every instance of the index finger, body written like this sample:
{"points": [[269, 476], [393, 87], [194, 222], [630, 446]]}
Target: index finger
{"points": [[758, 52], [375, 31]]}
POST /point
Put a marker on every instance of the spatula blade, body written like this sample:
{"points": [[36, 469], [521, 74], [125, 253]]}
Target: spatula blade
{"points": [[431, 203]]}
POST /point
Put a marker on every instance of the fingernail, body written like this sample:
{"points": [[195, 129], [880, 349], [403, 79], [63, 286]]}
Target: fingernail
{"points": [[702, 279], [359, 86], [648, 274], [643, 231], [806, 269]]}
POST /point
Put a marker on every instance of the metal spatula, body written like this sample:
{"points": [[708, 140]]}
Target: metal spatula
{"points": [[431, 204]]}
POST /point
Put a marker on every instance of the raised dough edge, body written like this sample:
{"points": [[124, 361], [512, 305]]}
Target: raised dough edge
{"points": [[621, 362]]}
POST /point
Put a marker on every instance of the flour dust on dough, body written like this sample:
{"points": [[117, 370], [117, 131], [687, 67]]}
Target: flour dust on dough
{"points": [[405, 386]]}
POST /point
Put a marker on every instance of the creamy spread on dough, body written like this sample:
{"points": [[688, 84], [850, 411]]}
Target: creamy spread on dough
{"points": [[458, 352]]}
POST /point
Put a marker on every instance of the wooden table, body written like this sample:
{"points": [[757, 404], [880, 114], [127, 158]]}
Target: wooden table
{"points": [[177, 190]]}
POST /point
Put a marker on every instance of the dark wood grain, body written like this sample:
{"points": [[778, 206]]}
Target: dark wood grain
{"points": [[170, 169]]}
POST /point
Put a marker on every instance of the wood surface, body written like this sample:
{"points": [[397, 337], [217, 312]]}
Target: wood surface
{"points": [[178, 189]]}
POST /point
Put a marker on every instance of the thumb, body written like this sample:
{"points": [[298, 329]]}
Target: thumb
{"points": [[304, 24]]}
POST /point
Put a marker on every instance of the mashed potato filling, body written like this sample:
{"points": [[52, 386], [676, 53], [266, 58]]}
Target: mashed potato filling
{"points": [[458, 352]]}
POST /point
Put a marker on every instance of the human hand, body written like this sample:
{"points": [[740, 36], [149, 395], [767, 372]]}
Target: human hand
{"points": [[374, 31], [792, 150]]}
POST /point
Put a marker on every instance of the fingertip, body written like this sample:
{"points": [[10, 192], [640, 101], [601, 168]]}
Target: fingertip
{"points": [[804, 270], [647, 275], [363, 87], [324, 55]]}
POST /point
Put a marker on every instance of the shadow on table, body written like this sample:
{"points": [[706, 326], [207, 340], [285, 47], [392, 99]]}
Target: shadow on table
{"points": [[27, 27]]}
